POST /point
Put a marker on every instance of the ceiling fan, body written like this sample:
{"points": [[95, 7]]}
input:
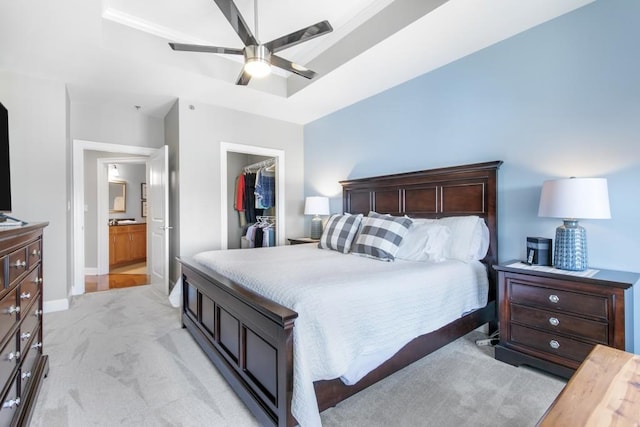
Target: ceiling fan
{"points": [[259, 57]]}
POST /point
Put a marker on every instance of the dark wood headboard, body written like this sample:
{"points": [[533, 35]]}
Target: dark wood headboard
{"points": [[434, 193]]}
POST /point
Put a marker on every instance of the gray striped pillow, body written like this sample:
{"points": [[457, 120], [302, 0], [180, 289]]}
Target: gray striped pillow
{"points": [[339, 232], [380, 236]]}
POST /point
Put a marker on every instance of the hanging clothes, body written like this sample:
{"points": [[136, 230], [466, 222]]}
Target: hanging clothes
{"points": [[238, 201], [259, 237], [262, 234], [258, 193], [266, 188], [250, 198]]}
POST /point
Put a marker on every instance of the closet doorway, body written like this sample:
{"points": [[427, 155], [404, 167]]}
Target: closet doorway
{"points": [[234, 158]]}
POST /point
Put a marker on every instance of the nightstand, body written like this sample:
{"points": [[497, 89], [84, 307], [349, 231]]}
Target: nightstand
{"points": [[551, 319], [301, 240]]}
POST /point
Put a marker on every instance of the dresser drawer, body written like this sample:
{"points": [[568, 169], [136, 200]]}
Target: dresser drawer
{"points": [[9, 359], [29, 357], [31, 320], [8, 405], [556, 299], [8, 312], [3, 283], [17, 264], [560, 323], [550, 343], [29, 289], [34, 253]]}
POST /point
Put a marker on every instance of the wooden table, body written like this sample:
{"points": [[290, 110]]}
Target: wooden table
{"points": [[604, 391]]}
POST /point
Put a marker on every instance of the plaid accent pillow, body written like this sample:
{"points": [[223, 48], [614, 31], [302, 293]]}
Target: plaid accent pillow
{"points": [[380, 236], [339, 232]]}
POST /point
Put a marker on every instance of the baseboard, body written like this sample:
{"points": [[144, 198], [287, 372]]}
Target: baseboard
{"points": [[90, 271], [56, 305]]}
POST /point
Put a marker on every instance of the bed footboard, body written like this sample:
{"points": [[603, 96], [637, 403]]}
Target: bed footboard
{"points": [[247, 337]]}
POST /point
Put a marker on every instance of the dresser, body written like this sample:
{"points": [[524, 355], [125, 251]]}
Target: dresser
{"points": [[552, 320], [127, 244], [22, 362]]}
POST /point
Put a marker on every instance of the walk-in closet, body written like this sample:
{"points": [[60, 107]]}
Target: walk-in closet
{"points": [[251, 203]]}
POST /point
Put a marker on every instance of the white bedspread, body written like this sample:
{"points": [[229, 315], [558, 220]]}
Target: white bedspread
{"points": [[352, 310]]}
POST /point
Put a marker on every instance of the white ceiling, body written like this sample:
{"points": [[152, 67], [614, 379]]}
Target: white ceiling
{"points": [[116, 52]]}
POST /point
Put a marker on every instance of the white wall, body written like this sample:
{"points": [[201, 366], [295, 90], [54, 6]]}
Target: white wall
{"points": [[39, 152], [202, 129], [116, 124]]}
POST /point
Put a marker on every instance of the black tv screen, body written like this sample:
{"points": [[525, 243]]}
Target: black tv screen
{"points": [[5, 176]]}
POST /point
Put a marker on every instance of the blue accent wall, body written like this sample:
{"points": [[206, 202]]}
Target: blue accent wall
{"points": [[561, 99]]}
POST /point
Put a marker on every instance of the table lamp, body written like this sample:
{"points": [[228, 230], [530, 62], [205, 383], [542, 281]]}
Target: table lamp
{"points": [[316, 205], [572, 199]]}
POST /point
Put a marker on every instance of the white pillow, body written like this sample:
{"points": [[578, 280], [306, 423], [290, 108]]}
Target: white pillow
{"points": [[425, 241], [469, 237]]}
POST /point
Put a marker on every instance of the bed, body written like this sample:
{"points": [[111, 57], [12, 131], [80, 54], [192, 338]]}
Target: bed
{"points": [[250, 338]]}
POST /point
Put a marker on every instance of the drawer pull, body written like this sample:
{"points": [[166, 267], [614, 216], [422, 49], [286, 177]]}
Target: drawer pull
{"points": [[25, 295], [554, 321], [25, 336], [11, 403], [37, 280], [38, 313], [35, 252], [554, 344], [13, 355], [36, 345], [20, 264], [13, 309], [554, 298], [26, 375]]}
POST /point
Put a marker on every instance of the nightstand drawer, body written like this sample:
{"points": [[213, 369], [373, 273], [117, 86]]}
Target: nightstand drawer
{"points": [[560, 323], [555, 299], [550, 343]]}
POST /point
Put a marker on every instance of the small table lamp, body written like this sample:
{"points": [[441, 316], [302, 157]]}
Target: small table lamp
{"points": [[316, 205], [572, 199]]}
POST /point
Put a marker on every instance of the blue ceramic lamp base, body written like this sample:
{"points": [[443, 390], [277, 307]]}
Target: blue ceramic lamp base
{"points": [[571, 247], [316, 227]]}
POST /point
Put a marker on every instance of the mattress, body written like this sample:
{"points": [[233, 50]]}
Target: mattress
{"points": [[385, 304]]}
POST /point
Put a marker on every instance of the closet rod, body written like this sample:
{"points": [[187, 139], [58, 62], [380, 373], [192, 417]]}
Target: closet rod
{"points": [[261, 164]]}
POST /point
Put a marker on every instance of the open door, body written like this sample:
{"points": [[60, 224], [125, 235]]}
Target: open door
{"points": [[158, 219]]}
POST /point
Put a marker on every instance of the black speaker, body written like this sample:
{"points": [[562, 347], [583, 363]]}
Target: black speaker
{"points": [[538, 251]]}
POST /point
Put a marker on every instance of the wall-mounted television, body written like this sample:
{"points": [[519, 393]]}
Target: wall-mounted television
{"points": [[5, 173]]}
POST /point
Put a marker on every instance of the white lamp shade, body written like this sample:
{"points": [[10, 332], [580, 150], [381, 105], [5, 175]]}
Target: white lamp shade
{"points": [[577, 198], [316, 205]]}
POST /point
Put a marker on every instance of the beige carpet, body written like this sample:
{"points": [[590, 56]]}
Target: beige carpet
{"points": [[121, 358]]}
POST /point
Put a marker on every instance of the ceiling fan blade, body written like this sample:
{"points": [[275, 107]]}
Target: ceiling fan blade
{"points": [[243, 78], [292, 67], [209, 49], [236, 20], [297, 37]]}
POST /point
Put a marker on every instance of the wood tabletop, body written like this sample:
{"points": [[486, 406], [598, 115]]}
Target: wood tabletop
{"points": [[604, 391]]}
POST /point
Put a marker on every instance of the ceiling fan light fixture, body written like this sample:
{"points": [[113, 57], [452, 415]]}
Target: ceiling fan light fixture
{"points": [[257, 61]]}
